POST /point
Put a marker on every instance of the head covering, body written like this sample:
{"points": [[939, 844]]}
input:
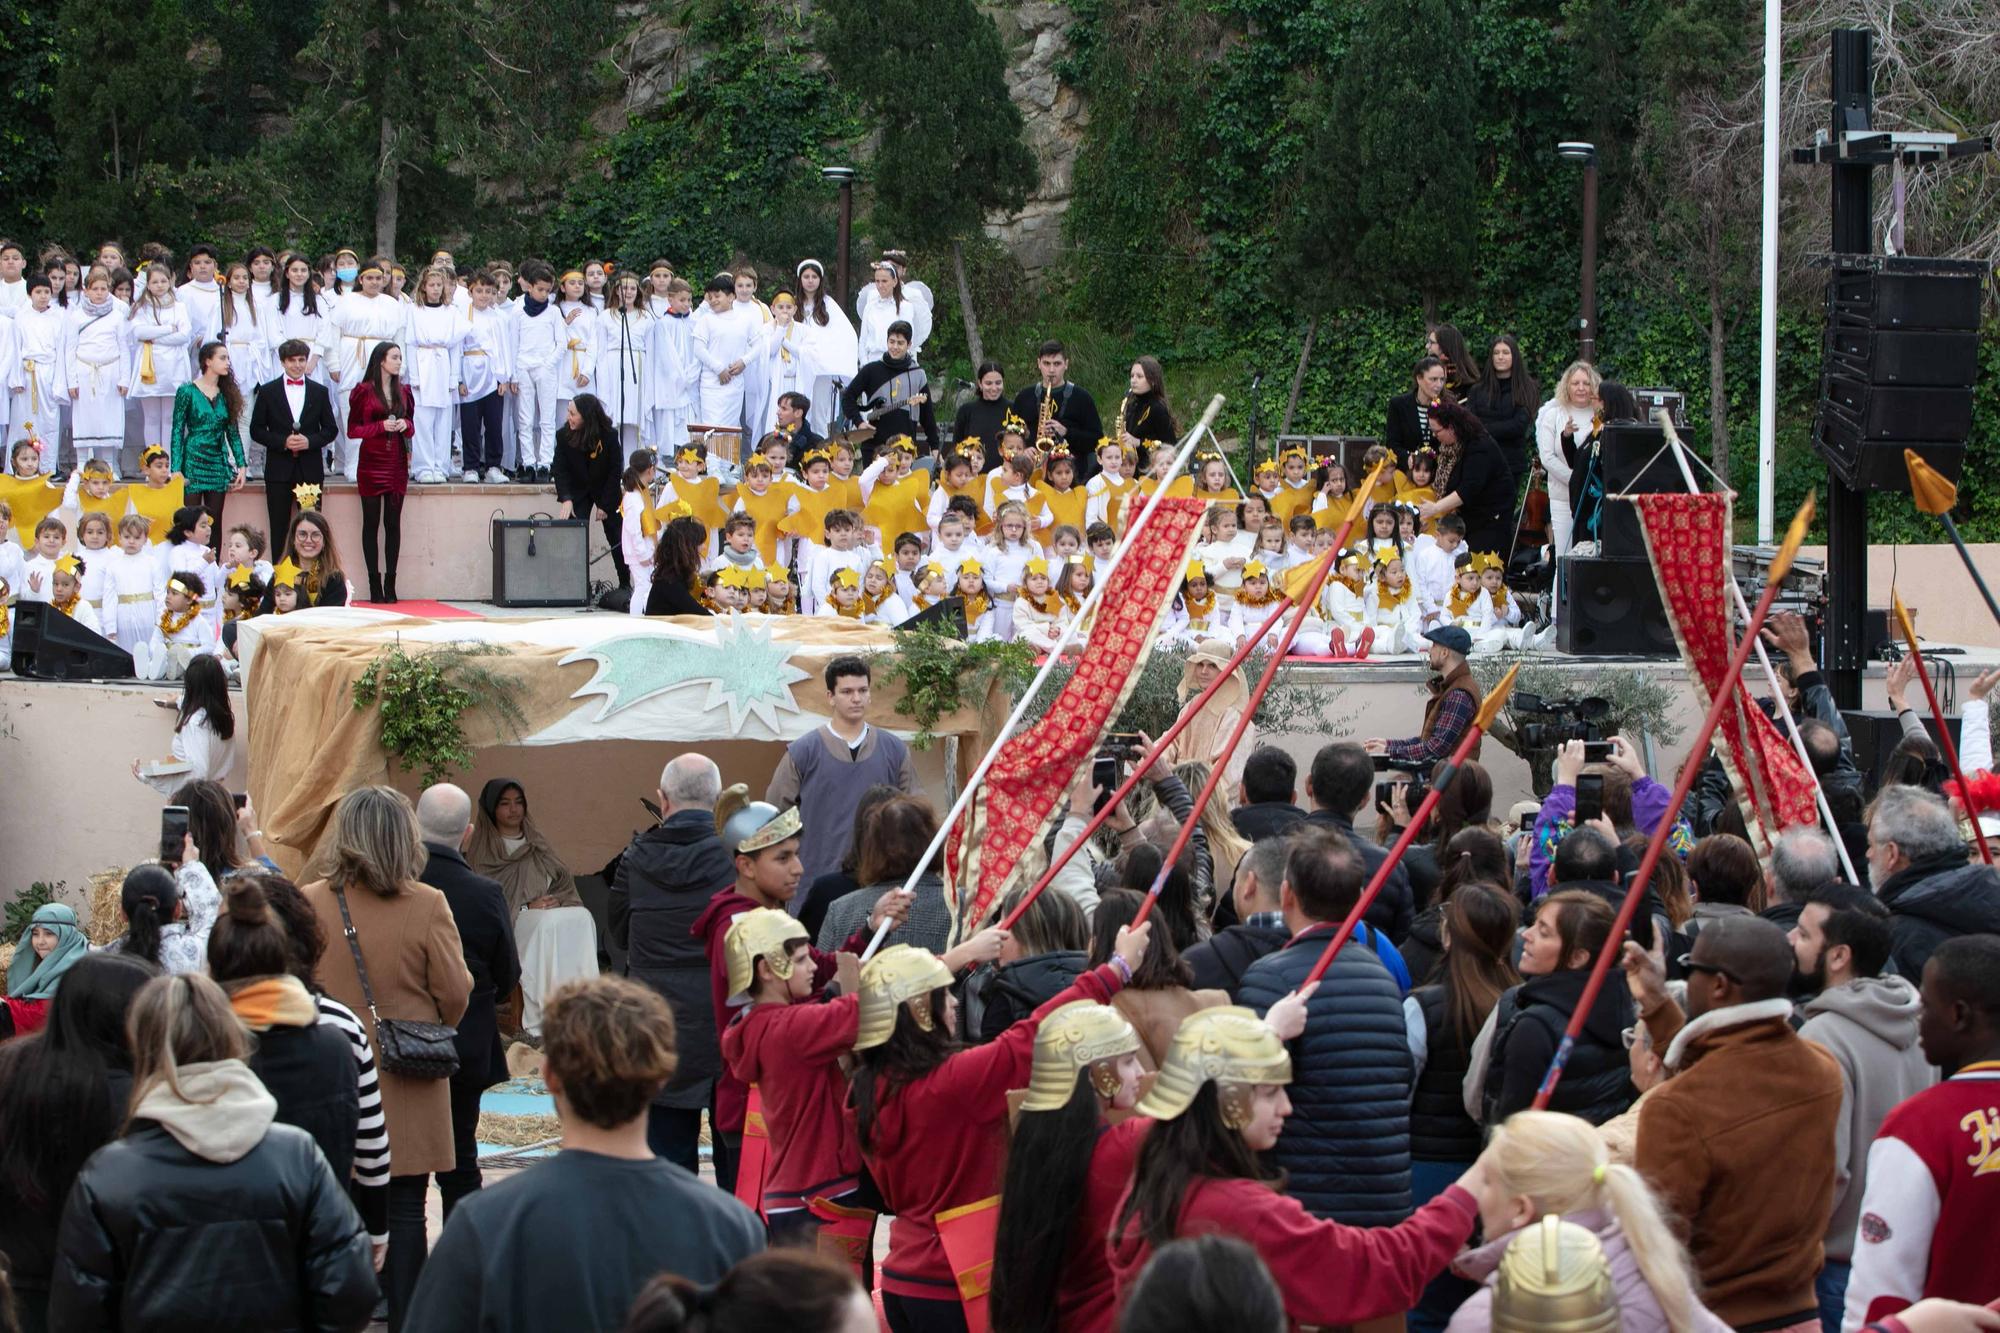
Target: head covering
{"points": [[761, 932], [1555, 1279], [1452, 637], [749, 826], [1225, 1046], [898, 973], [30, 977], [1081, 1035], [285, 574], [530, 871]]}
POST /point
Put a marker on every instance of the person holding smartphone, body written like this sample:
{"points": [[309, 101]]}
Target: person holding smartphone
{"points": [[207, 743], [1630, 799]]}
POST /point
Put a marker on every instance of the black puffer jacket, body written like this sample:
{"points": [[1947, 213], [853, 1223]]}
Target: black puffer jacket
{"points": [[1346, 1148], [1220, 961], [1423, 950], [1440, 1130], [1018, 989], [155, 1237], [1934, 900], [310, 1070], [1395, 907], [664, 882], [1528, 1026]]}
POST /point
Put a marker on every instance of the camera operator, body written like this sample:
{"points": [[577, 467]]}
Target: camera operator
{"points": [[1632, 801], [1455, 697]]}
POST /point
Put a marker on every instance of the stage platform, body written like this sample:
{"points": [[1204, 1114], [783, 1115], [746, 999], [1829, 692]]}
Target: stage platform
{"points": [[78, 810]]}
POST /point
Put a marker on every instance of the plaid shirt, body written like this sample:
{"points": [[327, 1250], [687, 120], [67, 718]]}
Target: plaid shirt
{"points": [[1455, 713]]}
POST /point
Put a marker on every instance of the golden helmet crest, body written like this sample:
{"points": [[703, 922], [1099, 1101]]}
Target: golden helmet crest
{"points": [[1076, 1037], [1224, 1045], [1554, 1278], [749, 826], [761, 932], [898, 973]]}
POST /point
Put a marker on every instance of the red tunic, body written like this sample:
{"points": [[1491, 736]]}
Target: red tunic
{"points": [[383, 464], [1328, 1272], [732, 1094], [1087, 1295], [940, 1142], [792, 1053]]}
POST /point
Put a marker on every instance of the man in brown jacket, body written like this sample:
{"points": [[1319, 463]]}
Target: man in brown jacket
{"points": [[1740, 1138]]}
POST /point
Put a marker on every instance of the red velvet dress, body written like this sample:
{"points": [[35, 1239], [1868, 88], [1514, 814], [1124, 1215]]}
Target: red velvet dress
{"points": [[384, 461]]}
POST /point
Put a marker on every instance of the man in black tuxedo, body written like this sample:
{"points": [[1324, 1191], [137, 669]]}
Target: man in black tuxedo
{"points": [[1071, 411], [487, 936], [293, 419]]}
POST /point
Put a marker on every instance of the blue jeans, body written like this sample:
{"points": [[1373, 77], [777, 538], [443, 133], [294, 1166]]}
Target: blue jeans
{"points": [[1831, 1287], [1447, 1291]]}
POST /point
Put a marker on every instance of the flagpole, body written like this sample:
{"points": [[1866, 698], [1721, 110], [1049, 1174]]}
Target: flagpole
{"points": [[1321, 568], [1725, 697], [1221, 761], [1675, 446], [1034, 689], [1909, 632], [1936, 495]]}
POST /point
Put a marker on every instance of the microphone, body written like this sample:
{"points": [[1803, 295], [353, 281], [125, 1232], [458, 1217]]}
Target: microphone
{"points": [[965, 384]]}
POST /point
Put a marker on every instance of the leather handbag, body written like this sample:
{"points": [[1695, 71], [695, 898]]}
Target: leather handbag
{"points": [[408, 1047]]}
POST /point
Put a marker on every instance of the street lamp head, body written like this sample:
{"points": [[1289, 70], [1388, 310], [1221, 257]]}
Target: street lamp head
{"points": [[1572, 150], [838, 175]]}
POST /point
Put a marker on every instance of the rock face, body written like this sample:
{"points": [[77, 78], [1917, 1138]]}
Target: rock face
{"points": [[1035, 35]]}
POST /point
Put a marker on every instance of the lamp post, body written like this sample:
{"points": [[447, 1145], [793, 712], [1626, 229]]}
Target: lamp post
{"points": [[844, 178], [1585, 154]]}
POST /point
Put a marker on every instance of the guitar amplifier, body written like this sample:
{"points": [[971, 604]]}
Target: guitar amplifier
{"points": [[541, 561]]}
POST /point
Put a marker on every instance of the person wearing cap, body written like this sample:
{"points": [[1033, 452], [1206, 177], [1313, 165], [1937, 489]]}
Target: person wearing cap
{"points": [[1074, 1142], [929, 1114], [763, 842], [791, 1052], [1219, 1103], [1455, 699]]}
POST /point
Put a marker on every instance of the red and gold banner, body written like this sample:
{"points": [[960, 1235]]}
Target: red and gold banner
{"points": [[1001, 834], [1688, 537], [968, 1235]]}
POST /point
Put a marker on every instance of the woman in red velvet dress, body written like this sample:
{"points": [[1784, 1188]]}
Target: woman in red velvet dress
{"points": [[379, 412]]}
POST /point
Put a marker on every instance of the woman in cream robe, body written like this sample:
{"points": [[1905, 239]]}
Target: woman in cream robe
{"points": [[553, 930]]}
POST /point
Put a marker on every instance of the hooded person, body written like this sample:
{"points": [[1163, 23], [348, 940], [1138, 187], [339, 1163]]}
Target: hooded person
{"points": [[763, 844], [53, 944], [553, 930], [1219, 1103], [1205, 736]]}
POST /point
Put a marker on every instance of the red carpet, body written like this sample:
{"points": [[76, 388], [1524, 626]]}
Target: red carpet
{"points": [[428, 610]]}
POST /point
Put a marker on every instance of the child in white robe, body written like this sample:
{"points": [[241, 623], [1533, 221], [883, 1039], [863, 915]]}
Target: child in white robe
{"points": [[540, 356], [639, 527], [624, 342], [430, 368], [181, 631], [672, 372]]}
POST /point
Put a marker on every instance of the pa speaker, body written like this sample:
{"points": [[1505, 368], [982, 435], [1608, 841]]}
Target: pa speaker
{"points": [[1611, 608], [541, 561], [1876, 733], [49, 645], [1635, 461]]}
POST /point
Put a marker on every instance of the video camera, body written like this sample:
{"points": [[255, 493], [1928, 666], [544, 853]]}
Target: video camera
{"points": [[1419, 782], [1559, 721]]}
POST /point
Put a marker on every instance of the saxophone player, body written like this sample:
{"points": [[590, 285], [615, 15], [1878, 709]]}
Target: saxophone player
{"points": [[1060, 410]]}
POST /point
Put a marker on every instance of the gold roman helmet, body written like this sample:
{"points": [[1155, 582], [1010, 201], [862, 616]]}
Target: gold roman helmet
{"points": [[1554, 1278], [898, 973], [1081, 1035], [761, 932], [749, 826], [1230, 1047]]}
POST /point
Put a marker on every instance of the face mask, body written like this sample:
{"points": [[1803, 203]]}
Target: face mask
{"points": [[347, 274]]}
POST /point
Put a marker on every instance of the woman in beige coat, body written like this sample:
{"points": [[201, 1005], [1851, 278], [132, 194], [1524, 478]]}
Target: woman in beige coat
{"points": [[371, 856]]}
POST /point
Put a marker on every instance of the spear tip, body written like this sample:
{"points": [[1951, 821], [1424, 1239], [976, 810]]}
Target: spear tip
{"points": [[1795, 537], [1496, 699], [1933, 492], [1904, 625]]}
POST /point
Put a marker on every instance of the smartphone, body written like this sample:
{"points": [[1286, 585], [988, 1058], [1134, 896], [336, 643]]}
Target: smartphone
{"points": [[1118, 743], [173, 834], [1597, 752], [240, 798], [1589, 797]]}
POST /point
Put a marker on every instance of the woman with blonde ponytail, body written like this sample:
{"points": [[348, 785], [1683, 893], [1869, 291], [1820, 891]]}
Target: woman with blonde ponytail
{"points": [[1541, 1162]]}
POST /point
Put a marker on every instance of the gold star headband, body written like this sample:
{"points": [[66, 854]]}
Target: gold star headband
{"points": [[971, 447], [816, 456], [971, 567], [70, 565], [678, 509], [1196, 570], [688, 453], [845, 578], [306, 494], [1255, 570], [1268, 467], [285, 574], [903, 444], [1485, 560], [152, 452], [1294, 452], [1013, 425], [239, 577], [1036, 565]]}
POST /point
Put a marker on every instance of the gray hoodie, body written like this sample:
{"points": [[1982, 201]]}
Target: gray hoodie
{"points": [[1869, 1025]]}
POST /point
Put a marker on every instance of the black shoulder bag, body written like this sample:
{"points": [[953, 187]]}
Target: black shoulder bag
{"points": [[407, 1047]]}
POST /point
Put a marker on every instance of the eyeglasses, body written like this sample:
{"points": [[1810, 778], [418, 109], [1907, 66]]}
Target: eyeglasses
{"points": [[1688, 964], [1630, 1036]]}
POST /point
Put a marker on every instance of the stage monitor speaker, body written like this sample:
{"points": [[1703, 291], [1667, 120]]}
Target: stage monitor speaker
{"points": [[49, 645], [1611, 608], [1900, 366], [541, 561], [1876, 733], [1635, 462], [947, 617]]}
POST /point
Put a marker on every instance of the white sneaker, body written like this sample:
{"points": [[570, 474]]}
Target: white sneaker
{"points": [[470, 477], [495, 477], [431, 478]]}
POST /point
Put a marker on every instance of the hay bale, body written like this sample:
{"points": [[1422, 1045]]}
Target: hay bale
{"points": [[517, 1131], [104, 916], [6, 957]]}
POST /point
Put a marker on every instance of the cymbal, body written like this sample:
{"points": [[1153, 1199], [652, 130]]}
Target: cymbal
{"points": [[858, 435]]}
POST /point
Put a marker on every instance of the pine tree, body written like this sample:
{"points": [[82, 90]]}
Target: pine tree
{"points": [[933, 74]]}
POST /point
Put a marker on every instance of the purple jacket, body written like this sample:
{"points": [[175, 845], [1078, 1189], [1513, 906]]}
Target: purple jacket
{"points": [[1558, 816]]}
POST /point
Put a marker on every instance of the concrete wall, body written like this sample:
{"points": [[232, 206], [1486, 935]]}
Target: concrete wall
{"points": [[1936, 588]]}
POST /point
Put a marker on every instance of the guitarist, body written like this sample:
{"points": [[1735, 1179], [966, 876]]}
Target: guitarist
{"points": [[893, 394]]}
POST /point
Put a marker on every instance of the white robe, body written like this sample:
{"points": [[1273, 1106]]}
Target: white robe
{"points": [[878, 313], [624, 339], [204, 306], [168, 331], [38, 336], [349, 334], [557, 944], [579, 355], [435, 331], [785, 369], [253, 355], [833, 357], [672, 376], [720, 341]]}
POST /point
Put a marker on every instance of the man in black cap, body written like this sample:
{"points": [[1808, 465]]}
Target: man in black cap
{"points": [[1454, 703]]}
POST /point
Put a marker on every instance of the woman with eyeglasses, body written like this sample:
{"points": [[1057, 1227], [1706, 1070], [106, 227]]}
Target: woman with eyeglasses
{"points": [[1521, 1036]]}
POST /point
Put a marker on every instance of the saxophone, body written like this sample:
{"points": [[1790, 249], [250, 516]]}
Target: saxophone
{"points": [[1124, 406], [1048, 414]]}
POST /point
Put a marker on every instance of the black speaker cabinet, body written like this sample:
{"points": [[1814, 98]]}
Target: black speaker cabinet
{"points": [[1876, 733], [1611, 608], [48, 645], [1635, 462], [541, 561]]}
